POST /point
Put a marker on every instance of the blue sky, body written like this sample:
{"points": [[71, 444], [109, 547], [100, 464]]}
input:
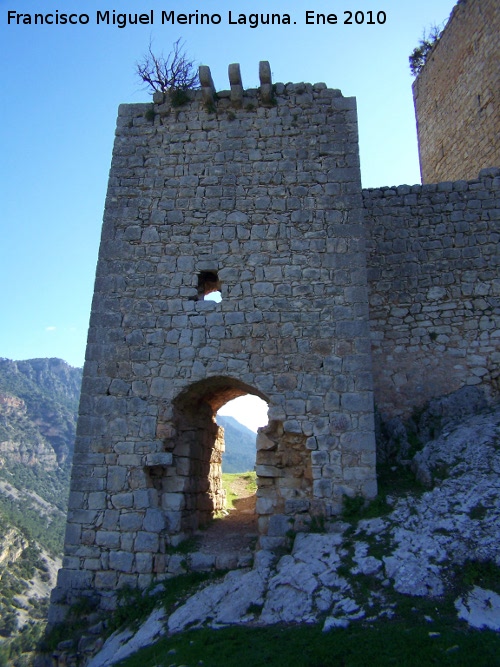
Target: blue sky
{"points": [[61, 86]]}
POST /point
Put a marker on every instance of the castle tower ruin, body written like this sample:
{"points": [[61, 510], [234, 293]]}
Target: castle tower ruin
{"points": [[255, 194]]}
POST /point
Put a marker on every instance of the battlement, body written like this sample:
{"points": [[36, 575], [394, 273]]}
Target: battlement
{"points": [[237, 97]]}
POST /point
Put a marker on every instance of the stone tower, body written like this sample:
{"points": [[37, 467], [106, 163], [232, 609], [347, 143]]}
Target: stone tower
{"points": [[457, 96], [255, 194]]}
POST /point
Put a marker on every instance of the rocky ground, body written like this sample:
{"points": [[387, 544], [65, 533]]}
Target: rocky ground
{"points": [[436, 541]]}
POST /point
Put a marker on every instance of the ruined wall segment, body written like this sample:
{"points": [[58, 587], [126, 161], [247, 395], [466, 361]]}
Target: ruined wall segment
{"points": [[434, 280], [256, 193], [457, 96]]}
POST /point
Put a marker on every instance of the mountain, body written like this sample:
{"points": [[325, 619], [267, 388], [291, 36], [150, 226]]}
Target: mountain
{"points": [[38, 411], [240, 446]]}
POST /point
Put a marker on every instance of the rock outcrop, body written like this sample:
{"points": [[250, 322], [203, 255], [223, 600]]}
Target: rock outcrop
{"points": [[419, 548]]}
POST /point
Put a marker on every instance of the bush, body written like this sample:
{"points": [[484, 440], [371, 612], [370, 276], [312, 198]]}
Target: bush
{"points": [[419, 56], [174, 73]]}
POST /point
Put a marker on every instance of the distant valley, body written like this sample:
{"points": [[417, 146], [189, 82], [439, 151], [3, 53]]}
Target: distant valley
{"points": [[240, 446], [38, 413]]}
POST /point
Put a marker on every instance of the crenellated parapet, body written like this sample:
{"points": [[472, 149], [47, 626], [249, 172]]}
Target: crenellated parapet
{"points": [[237, 97]]}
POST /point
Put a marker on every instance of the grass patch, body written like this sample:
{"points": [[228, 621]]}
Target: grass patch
{"points": [[237, 485], [397, 642], [397, 480], [179, 97], [136, 605], [357, 508], [187, 546], [485, 574], [478, 511]]}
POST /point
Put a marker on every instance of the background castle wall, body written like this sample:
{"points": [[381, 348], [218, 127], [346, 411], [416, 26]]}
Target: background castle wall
{"points": [[457, 96], [433, 271]]}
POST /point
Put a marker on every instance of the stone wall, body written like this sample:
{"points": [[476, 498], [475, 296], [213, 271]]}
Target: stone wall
{"points": [[434, 280], [457, 96], [255, 194]]}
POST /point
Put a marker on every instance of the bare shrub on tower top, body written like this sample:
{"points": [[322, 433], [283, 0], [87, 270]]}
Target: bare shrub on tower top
{"points": [[175, 72]]}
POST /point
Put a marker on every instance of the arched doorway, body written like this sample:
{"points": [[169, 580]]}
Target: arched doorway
{"points": [[192, 492], [241, 419]]}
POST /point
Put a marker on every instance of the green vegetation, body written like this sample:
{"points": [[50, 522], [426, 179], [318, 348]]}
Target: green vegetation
{"points": [[17, 645], [187, 546], [179, 97], [134, 606], [317, 523], [410, 642], [393, 480], [166, 74], [478, 512], [47, 531], [420, 53], [150, 114], [485, 574], [37, 431], [51, 485], [237, 485], [19, 652]]}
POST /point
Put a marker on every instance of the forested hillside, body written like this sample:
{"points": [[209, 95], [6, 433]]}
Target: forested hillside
{"points": [[38, 408], [240, 445], [38, 413]]}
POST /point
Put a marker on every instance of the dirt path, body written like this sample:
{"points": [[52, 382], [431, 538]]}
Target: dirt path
{"points": [[237, 531]]}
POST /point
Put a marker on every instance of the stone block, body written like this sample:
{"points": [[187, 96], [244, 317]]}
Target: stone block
{"points": [[73, 532], [108, 539], [97, 501], [265, 505], [131, 521], [297, 505], [146, 541], [144, 562], [154, 521], [279, 525], [121, 561], [322, 488], [268, 471], [122, 500], [319, 458], [110, 520], [116, 479], [173, 502], [177, 564], [158, 459], [201, 562], [272, 543], [75, 579]]}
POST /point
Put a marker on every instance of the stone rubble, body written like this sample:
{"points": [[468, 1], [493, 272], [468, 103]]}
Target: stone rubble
{"points": [[425, 538]]}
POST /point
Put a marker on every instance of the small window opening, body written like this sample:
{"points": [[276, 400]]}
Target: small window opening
{"points": [[209, 286]]}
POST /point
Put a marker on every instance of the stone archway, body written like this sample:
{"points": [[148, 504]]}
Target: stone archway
{"points": [[192, 490]]}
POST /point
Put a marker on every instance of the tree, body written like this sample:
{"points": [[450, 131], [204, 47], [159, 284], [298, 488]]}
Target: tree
{"points": [[175, 72], [420, 54]]}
